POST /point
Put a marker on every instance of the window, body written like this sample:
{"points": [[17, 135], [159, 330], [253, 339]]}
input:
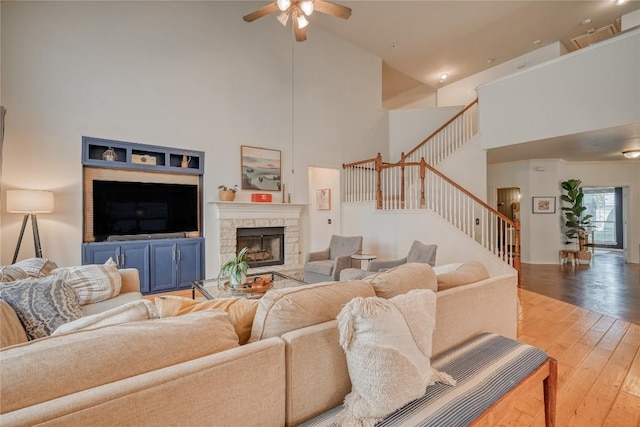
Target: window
{"points": [[602, 204]]}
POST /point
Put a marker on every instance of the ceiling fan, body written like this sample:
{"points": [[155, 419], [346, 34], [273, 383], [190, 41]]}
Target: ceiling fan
{"points": [[299, 10]]}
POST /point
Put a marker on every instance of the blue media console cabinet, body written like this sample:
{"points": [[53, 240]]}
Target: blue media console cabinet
{"points": [[166, 261]]}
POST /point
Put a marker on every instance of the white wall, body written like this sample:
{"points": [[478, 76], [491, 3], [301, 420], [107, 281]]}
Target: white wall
{"points": [[320, 231], [389, 235], [463, 91], [178, 74], [541, 234], [408, 128], [630, 20], [597, 87]]}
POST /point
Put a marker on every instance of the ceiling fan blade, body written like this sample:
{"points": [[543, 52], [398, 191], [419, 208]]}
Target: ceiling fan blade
{"points": [[301, 33], [332, 9], [261, 12]]}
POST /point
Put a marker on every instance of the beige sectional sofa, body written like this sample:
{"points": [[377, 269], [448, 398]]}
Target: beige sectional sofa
{"points": [[189, 370]]}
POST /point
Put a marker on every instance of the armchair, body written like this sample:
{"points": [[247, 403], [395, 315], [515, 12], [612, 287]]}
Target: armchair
{"points": [[326, 265], [419, 252]]}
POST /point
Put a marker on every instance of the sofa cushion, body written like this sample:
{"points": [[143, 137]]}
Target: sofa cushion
{"points": [[241, 310], [11, 330], [283, 310], [403, 278], [99, 307], [324, 267], [42, 305], [387, 343], [52, 367], [131, 312], [93, 282], [468, 272]]}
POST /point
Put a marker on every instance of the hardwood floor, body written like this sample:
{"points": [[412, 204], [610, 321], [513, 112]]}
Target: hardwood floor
{"points": [[588, 318], [609, 285], [598, 364]]}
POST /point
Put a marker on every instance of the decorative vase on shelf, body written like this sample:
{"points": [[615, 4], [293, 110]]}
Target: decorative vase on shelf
{"points": [[185, 161], [110, 155], [227, 195]]}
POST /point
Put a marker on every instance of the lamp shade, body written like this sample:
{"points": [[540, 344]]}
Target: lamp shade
{"points": [[29, 201]]}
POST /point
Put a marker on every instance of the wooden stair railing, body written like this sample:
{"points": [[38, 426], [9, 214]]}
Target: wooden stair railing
{"points": [[418, 185], [448, 138], [413, 183]]}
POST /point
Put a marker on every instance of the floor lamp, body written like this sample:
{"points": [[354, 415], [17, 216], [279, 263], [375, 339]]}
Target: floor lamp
{"points": [[29, 202]]}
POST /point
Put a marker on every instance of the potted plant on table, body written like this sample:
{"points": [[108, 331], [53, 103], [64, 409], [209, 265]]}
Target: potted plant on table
{"points": [[227, 194], [235, 269], [576, 221]]}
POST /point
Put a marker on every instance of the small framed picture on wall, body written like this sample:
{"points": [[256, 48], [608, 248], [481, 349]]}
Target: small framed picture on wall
{"points": [[544, 205], [323, 199]]}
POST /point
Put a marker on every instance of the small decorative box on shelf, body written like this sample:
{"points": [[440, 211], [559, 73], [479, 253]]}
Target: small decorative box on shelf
{"points": [[261, 197]]}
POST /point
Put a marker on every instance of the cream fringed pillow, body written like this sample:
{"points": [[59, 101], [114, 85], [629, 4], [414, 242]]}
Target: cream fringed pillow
{"points": [[388, 348]]}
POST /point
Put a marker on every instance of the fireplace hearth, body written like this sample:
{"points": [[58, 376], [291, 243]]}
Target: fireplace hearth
{"points": [[266, 245]]}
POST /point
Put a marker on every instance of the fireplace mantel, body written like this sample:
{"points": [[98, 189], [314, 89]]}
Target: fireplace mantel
{"points": [[227, 210]]}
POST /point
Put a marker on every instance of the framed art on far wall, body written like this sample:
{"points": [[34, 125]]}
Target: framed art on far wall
{"points": [[323, 199], [544, 205], [261, 168]]}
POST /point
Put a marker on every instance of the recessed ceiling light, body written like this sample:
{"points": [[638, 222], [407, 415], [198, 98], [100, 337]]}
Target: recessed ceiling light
{"points": [[537, 41], [443, 76], [586, 21], [621, 2], [394, 45], [490, 61], [631, 154]]}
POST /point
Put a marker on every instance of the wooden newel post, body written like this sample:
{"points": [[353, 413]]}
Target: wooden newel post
{"points": [[379, 181], [423, 175], [516, 257]]}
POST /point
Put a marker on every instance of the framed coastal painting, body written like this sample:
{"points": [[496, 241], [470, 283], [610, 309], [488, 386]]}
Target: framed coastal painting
{"points": [[323, 199], [261, 168], [544, 205]]}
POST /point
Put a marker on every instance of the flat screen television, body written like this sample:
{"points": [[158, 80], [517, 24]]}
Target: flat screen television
{"points": [[134, 208]]}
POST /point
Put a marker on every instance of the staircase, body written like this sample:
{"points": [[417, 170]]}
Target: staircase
{"points": [[415, 183]]}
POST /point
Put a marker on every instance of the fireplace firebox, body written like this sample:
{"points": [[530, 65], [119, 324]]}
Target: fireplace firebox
{"points": [[266, 245]]}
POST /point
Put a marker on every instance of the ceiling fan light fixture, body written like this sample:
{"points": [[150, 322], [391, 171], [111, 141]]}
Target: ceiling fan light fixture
{"points": [[631, 154], [306, 7], [283, 4], [302, 21], [283, 18]]}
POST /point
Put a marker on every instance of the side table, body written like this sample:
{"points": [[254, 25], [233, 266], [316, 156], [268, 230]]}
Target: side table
{"points": [[363, 257]]}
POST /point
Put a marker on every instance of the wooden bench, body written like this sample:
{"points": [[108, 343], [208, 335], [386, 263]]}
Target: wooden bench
{"points": [[491, 372]]}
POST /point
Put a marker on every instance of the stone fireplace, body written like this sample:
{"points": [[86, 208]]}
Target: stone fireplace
{"points": [[231, 216]]}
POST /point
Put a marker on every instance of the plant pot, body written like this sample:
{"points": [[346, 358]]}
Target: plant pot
{"points": [[584, 257], [227, 195]]}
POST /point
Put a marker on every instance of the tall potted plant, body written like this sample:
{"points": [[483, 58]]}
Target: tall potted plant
{"points": [[235, 269], [576, 220]]}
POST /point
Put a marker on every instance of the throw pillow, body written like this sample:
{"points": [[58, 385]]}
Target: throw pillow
{"points": [[11, 330], [92, 283], [133, 311], [10, 273], [37, 267], [241, 310], [403, 278], [468, 272], [388, 348], [42, 305]]}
